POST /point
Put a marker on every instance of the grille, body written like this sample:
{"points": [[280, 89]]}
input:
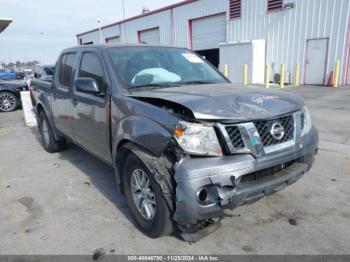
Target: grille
{"points": [[264, 128], [269, 172], [235, 137]]}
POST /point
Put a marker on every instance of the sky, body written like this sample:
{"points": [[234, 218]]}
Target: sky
{"points": [[42, 28]]}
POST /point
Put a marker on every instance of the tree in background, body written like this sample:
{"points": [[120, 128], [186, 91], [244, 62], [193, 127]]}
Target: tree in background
{"points": [[19, 64]]}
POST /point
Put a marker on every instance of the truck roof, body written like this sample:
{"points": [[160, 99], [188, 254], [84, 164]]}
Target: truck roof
{"points": [[104, 46]]}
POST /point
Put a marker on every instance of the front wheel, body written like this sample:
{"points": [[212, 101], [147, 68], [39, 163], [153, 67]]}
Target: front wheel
{"points": [[145, 199], [47, 138], [8, 102]]}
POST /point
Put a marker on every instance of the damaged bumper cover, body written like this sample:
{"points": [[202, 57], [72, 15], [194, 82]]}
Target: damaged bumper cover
{"points": [[205, 187]]}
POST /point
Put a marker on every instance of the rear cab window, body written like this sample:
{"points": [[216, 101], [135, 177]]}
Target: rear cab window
{"points": [[65, 72]]}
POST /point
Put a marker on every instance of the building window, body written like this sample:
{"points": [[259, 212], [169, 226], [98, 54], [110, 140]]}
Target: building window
{"points": [[273, 5], [235, 9]]}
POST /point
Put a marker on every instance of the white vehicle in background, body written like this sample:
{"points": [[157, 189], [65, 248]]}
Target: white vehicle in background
{"points": [[44, 72]]}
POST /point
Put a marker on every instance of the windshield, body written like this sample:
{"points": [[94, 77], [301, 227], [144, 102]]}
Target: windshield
{"points": [[161, 66]]}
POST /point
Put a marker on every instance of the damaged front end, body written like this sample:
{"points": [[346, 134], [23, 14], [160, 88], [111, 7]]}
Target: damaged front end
{"points": [[211, 166], [245, 172]]}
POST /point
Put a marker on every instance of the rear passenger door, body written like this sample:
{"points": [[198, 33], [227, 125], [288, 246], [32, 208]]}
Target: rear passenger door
{"points": [[62, 107], [92, 110]]}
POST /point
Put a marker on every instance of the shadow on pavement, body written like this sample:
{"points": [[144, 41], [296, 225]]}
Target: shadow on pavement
{"points": [[99, 174]]}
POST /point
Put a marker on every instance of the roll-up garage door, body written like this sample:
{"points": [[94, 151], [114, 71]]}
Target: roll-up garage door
{"points": [[208, 32], [113, 39], [150, 36]]}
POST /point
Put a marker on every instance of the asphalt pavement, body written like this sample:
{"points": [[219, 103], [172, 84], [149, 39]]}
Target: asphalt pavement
{"points": [[67, 203]]}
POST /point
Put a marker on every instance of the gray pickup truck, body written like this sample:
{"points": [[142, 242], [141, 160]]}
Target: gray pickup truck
{"points": [[185, 143]]}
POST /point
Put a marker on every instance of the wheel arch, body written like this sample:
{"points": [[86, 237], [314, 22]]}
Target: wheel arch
{"points": [[8, 91], [40, 107], [125, 147], [157, 166]]}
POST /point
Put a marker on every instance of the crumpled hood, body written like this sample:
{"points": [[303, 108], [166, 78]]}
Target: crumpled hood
{"points": [[228, 101]]}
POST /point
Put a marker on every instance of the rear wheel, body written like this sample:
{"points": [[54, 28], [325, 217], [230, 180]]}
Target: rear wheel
{"points": [[145, 199], [8, 102], [47, 138]]}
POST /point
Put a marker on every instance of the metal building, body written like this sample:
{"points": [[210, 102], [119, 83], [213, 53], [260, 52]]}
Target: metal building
{"points": [[312, 33]]}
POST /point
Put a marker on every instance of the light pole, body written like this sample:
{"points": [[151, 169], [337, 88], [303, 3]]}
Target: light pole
{"points": [[99, 29]]}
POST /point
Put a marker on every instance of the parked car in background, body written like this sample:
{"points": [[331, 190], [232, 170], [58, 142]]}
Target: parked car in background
{"points": [[8, 75], [186, 144], [10, 94], [20, 75], [44, 73]]}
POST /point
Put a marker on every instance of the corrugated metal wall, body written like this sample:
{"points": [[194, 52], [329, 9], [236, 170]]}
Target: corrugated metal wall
{"points": [[286, 32], [111, 31], [172, 23], [161, 20], [90, 37], [182, 15], [208, 32], [150, 36], [108, 32]]}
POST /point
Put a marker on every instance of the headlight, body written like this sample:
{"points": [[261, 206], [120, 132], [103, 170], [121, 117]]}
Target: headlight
{"points": [[305, 121], [197, 139]]}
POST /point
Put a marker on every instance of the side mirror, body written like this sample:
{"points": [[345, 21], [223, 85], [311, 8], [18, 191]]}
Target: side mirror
{"points": [[37, 75], [86, 85]]}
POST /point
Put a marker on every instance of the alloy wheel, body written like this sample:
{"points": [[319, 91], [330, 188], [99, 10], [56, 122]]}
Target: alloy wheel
{"points": [[143, 194], [45, 132], [7, 102]]}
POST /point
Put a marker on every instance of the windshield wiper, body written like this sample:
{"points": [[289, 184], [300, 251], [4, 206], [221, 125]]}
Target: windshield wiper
{"points": [[200, 82], [150, 85]]}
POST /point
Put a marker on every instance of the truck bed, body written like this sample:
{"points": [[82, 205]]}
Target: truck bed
{"points": [[38, 87], [37, 84]]}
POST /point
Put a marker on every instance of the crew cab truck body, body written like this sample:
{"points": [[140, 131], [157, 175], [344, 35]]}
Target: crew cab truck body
{"points": [[186, 144]]}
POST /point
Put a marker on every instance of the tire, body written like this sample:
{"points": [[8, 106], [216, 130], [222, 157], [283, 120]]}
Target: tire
{"points": [[8, 102], [47, 138], [161, 223]]}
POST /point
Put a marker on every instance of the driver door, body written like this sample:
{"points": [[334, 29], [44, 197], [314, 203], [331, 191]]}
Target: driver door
{"points": [[91, 111]]}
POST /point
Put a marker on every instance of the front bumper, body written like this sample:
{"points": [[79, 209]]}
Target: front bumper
{"points": [[229, 180]]}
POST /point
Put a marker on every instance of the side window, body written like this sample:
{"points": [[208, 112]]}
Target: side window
{"points": [[61, 68], [65, 76], [91, 67]]}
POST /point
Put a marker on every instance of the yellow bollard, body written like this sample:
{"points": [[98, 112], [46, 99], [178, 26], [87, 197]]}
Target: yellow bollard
{"points": [[336, 73], [296, 80], [282, 75], [267, 76], [225, 70], [245, 74]]}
